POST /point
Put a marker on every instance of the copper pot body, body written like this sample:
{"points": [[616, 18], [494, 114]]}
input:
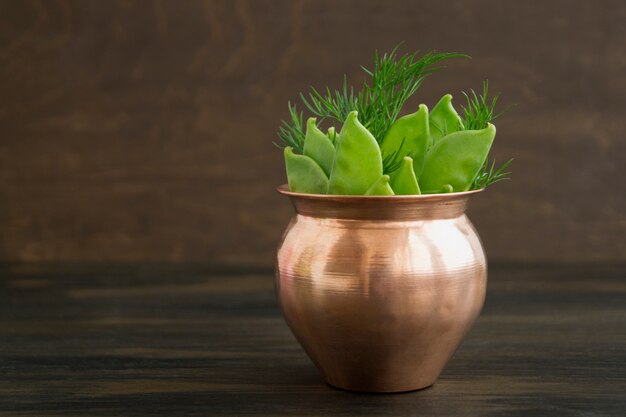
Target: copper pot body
{"points": [[380, 291]]}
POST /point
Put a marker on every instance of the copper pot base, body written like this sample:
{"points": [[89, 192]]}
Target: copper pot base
{"points": [[374, 391]]}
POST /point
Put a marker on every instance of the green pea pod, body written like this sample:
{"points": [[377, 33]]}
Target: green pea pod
{"points": [[403, 180], [444, 119], [380, 187], [304, 175], [454, 161], [318, 146], [358, 163], [332, 135], [414, 130]]}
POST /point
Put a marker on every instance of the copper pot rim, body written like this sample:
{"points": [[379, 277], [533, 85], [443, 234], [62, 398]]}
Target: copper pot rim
{"points": [[284, 189]]}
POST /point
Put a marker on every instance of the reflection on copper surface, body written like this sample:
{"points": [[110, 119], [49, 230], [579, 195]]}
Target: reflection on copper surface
{"points": [[380, 291]]}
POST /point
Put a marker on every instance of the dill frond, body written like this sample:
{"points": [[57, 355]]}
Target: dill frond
{"points": [[392, 81], [393, 161], [291, 132], [489, 175], [479, 111]]}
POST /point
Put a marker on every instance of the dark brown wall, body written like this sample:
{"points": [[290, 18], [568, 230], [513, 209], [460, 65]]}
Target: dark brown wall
{"points": [[142, 130]]}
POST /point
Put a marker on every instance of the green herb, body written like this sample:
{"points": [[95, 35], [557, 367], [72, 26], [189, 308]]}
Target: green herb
{"points": [[292, 132], [478, 113], [333, 104], [392, 81], [479, 110], [394, 160], [423, 152], [487, 176]]}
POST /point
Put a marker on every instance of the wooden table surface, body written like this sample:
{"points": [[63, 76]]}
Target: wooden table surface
{"points": [[194, 341]]}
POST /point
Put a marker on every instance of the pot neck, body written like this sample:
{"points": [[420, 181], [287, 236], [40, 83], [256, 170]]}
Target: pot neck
{"points": [[388, 208]]}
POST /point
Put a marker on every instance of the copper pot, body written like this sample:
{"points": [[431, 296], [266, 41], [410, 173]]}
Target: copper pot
{"points": [[380, 291]]}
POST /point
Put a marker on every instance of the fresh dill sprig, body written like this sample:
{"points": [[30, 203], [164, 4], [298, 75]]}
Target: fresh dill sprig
{"points": [[392, 81], [443, 129], [292, 132], [489, 175], [479, 111], [333, 104], [393, 161]]}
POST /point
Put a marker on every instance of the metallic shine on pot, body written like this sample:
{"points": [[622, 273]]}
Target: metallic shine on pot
{"points": [[380, 291]]}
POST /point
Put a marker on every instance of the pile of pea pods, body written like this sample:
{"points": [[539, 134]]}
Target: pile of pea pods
{"points": [[441, 155]]}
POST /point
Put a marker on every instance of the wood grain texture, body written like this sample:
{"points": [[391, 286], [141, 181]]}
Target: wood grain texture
{"points": [[149, 340], [141, 130]]}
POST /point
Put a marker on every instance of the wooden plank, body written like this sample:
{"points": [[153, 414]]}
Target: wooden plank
{"points": [[142, 130], [152, 340]]}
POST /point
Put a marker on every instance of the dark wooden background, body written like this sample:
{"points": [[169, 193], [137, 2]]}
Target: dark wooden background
{"points": [[142, 130]]}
